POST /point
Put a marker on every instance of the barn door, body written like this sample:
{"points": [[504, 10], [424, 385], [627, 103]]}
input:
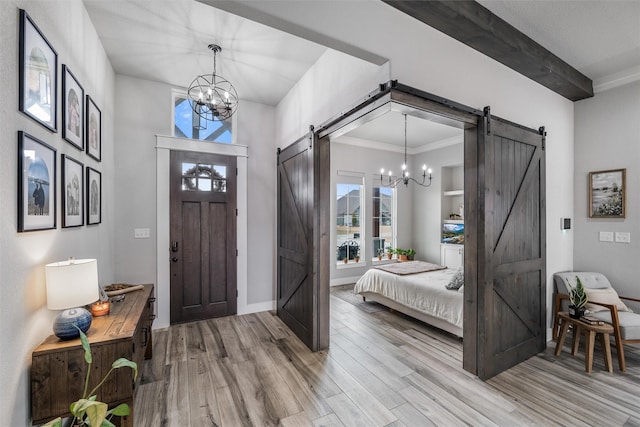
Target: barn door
{"points": [[297, 305], [511, 291]]}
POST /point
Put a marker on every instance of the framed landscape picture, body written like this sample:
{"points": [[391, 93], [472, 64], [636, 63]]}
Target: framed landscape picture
{"points": [[94, 129], [607, 194], [38, 63], [36, 184], [72, 109], [94, 196], [72, 192]]}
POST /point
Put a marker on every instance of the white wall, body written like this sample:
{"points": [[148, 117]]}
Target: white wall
{"points": [[424, 58], [144, 110], [608, 137], [24, 317]]}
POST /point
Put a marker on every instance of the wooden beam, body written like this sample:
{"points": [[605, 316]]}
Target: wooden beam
{"points": [[477, 27]]}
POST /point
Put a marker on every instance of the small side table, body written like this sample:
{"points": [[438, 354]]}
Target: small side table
{"points": [[590, 332]]}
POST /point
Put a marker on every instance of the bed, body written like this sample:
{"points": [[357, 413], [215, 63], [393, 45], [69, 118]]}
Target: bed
{"points": [[422, 295]]}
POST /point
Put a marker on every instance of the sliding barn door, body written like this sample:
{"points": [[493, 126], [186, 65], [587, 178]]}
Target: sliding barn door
{"points": [[511, 291], [297, 305]]}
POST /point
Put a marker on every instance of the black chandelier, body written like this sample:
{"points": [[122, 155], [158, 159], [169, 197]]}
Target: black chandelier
{"points": [[211, 96], [405, 178]]}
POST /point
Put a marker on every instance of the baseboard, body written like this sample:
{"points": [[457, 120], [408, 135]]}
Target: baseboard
{"points": [[344, 280], [257, 307]]}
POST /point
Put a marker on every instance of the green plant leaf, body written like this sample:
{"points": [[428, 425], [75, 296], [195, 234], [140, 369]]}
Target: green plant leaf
{"points": [[107, 423], [97, 412], [122, 362], [120, 410], [54, 423], [85, 346]]}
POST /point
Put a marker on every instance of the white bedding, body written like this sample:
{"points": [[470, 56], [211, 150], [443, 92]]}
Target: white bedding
{"points": [[424, 292]]}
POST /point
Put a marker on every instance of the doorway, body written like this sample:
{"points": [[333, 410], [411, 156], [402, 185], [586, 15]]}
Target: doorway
{"points": [[202, 236], [505, 296]]}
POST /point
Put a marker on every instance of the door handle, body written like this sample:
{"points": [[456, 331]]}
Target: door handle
{"points": [[174, 259]]}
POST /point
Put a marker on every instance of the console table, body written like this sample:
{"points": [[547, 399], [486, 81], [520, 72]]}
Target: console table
{"points": [[590, 332], [58, 367]]}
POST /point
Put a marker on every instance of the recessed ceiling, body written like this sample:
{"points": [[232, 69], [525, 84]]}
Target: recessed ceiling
{"points": [[166, 41], [598, 38]]}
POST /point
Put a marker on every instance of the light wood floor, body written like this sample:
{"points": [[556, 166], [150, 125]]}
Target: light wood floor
{"points": [[383, 369]]}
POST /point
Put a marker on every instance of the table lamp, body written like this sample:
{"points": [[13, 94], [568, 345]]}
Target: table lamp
{"points": [[70, 285]]}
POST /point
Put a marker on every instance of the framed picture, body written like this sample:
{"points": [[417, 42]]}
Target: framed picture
{"points": [[94, 196], [607, 194], [36, 184], [72, 192], [94, 129], [72, 109], [38, 74]]}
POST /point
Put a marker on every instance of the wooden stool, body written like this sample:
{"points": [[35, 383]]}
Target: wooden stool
{"points": [[590, 332]]}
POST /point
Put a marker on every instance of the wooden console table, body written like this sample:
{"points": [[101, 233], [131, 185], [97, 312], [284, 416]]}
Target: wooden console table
{"points": [[58, 367], [590, 332]]}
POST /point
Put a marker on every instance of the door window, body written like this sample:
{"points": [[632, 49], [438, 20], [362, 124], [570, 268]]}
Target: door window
{"points": [[204, 177]]}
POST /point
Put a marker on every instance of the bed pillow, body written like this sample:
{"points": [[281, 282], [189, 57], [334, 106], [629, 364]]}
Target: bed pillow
{"points": [[605, 296], [457, 280]]}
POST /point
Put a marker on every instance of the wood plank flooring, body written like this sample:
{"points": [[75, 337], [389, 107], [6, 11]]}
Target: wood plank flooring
{"points": [[383, 369]]}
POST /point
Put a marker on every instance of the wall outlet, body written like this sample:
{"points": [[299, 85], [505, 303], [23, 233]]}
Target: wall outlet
{"points": [[623, 237], [141, 233], [606, 236]]}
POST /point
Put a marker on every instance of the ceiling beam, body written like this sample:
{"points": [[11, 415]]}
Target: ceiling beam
{"points": [[476, 26]]}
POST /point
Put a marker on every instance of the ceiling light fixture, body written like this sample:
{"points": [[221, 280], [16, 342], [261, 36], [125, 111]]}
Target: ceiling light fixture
{"points": [[211, 96], [405, 178]]}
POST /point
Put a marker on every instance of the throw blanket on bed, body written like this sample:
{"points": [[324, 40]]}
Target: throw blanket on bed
{"points": [[410, 267]]}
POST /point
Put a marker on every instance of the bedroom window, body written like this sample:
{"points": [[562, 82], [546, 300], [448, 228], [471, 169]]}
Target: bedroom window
{"points": [[382, 220], [186, 124], [349, 220]]}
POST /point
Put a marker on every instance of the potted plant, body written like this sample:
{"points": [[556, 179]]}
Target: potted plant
{"points": [[578, 298], [390, 252], [410, 254], [380, 253], [345, 260], [87, 411], [357, 257], [402, 254]]}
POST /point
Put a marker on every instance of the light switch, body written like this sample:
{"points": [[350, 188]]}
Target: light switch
{"points": [[623, 237], [141, 233], [606, 236]]}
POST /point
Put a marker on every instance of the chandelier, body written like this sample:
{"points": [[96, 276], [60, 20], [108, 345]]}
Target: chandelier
{"points": [[211, 96], [405, 178]]}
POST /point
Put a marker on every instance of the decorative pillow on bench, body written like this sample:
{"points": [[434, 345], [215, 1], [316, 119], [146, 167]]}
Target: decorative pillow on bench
{"points": [[457, 280], [604, 296]]}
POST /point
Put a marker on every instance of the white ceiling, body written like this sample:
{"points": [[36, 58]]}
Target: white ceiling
{"points": [[166, 41]]}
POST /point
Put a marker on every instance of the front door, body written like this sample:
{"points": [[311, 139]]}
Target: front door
{"points": [[202, 253], [511, 273]]}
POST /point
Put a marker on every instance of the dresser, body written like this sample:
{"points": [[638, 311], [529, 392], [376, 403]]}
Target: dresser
{"points": [[58, 367]]}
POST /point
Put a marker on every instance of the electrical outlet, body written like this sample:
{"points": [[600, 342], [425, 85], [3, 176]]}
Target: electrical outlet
{"points": [[141, 233], [606, 236], [623, 237]]}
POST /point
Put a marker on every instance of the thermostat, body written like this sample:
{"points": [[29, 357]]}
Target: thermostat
{"points": [[565, 223]]}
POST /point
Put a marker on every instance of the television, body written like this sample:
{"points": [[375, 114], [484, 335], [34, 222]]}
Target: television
{"points": [[453, 232]]}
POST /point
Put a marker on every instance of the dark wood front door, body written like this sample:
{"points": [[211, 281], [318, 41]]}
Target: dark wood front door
{"points": [[296, 303], [511, 291], [203, 236]]}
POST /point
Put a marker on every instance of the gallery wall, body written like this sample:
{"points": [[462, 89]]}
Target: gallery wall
{"points": [[24, 316], [608, 137]]}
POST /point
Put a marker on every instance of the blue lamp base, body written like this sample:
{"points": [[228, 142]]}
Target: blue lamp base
{"points": [[64, 327]]}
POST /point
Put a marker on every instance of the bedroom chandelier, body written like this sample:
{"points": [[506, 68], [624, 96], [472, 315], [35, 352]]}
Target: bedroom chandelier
{"points": [[405, 178], [212, 97]]}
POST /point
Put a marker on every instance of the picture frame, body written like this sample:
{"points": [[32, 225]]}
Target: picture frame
{"points": [[607, 198], [93, 128], [72, 109], [94, 196], [38, 69], [36, 184], [72, 192]]}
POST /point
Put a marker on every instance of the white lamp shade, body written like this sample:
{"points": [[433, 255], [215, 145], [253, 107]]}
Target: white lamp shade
{"points": [[72, 283]]}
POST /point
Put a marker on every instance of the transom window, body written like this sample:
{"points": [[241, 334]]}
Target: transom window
{"points": [[204, 177], [187, 124]]}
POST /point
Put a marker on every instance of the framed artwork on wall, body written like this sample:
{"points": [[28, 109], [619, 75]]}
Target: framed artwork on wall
{"points": [[36, 184], [38, 63], [93, 126], [607, 197], [72, 109], [94, 196], [72, 192]]}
